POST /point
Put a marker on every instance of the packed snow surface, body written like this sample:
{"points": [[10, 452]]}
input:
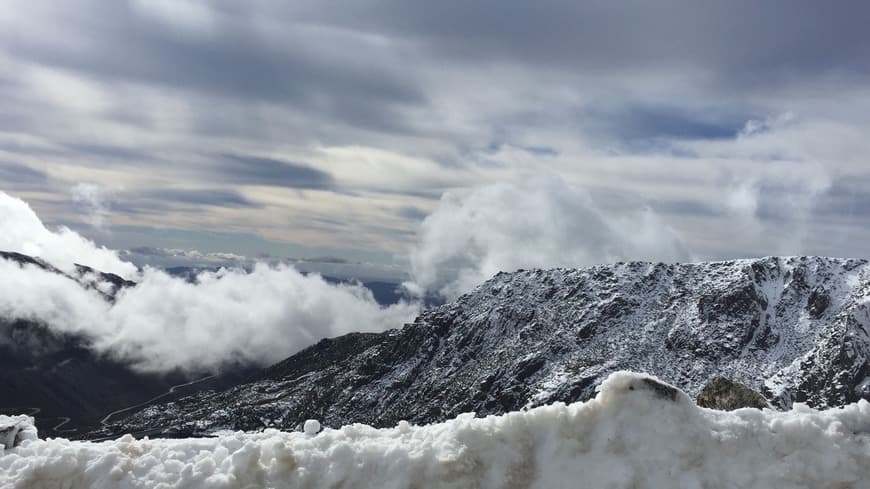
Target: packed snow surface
{"points": [[636, 433]]}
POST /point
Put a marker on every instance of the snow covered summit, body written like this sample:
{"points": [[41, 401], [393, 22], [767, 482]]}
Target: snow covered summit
{"points": [[636, 433], [794, 329]]}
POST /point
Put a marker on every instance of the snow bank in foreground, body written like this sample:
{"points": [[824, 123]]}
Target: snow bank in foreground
{"points": [[14, 430], [637, 433]]}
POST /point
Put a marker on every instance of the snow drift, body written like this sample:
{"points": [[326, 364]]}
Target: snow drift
{"points": [[637, 433]]}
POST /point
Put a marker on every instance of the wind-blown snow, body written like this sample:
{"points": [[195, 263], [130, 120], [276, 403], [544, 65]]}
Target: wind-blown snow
{"points": [[637, 433]]}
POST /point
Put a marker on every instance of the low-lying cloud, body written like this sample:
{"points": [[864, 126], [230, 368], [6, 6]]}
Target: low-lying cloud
{"points": [[542, 223], [165, 322], [226, 317]]}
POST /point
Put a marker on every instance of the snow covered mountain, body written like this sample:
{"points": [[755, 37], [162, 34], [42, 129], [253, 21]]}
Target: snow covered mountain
{"points": [[795, 329]]}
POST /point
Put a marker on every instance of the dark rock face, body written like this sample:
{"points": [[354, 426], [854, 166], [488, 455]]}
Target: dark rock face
{"points": [[534, 337], [725, 395]]}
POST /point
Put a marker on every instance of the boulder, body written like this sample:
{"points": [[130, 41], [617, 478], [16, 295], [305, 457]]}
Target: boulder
{"points": [[727, 395]]}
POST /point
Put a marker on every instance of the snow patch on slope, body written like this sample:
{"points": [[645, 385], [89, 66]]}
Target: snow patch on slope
{"points": [[637, 433]]}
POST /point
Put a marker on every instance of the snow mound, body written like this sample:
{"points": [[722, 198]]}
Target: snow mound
{"points": [[637, 433], [14, 430]]}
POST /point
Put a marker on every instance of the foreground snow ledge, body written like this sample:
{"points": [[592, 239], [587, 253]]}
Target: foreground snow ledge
{"points": [[637, 433]]}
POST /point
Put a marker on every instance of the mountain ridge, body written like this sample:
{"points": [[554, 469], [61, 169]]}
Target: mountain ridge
{"points": [[793, 328]]}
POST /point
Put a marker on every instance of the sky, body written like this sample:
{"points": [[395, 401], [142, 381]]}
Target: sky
{"points": [[417, 137]]}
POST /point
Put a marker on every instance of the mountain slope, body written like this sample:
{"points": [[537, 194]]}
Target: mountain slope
{"points": [[793, 328]]}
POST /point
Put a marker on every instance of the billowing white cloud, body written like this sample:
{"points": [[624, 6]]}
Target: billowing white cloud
{"points": [[21, 230], [166, 322], [538, 224], [230, 316]]}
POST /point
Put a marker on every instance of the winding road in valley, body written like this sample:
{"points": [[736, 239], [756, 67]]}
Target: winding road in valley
{"points": [[105, 420], [63, 420]]}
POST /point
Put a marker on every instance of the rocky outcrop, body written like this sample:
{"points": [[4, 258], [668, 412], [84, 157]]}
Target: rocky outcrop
{"points": [[726, 395]]}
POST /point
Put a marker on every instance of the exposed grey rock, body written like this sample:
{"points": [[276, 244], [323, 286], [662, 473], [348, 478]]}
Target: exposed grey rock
{"points": [[726, 395]]}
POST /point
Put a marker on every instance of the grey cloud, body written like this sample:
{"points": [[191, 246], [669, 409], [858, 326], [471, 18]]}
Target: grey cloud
{"points": [[847, 197], [256, 170], [109, 152], [206, 197], [685, 208], [450, 82], [326, 259], [312, 70], [17, 175], [541, 150], [368, 65], [639, 122], [412, 213], [740, 39]]}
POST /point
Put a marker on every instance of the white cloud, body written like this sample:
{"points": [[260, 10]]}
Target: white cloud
{"points": [[166, 322], [539, 224], [21, 230], [230, 316]]}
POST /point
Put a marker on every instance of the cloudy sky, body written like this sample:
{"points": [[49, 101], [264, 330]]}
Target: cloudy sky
{"points": [[323, 128]]}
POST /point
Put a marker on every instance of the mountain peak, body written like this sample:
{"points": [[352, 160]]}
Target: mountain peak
{"points": [[792, 328]]}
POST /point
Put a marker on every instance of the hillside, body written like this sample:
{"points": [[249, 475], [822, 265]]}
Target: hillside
{"points": [[792, 328]]}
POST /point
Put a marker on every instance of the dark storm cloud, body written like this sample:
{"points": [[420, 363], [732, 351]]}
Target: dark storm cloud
{"points": [[256, 170]]}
